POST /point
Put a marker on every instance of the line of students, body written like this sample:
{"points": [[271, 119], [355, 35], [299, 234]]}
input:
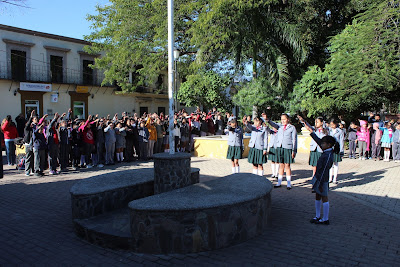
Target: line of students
{"points": [[282, 146]]}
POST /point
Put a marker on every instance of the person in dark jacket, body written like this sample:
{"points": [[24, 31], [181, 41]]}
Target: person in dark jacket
{"points": [[21, 121], [30, 127], [53, 142], [144, 136], [130, 140], [64, 144], [320, 181], [39, 150]]}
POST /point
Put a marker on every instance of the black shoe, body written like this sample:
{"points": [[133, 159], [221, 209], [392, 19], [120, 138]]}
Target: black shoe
{"points": [[288, 188], [312, 191], [322, 222], [314, 220], [277, 186]]}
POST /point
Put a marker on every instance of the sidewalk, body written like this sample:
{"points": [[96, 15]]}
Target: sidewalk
{"points": [[36, 226]]}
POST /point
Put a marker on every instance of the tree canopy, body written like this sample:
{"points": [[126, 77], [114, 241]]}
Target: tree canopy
{"points": [[364, 67]]}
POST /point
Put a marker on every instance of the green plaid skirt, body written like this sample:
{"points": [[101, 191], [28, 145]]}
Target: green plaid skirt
{"points": [[256, 156], [314, 157], [272, 154], [337, 157], [234, 152], [284, 155]]}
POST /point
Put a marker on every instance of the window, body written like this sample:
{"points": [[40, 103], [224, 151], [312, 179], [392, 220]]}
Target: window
{"points": [[31, 105], [161, 109], [87, 72], [79, 109], [143, 110], [18, 65], [56, 69]]}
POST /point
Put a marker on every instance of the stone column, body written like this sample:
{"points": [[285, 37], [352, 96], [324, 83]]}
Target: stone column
{"points": [[171, 171]]}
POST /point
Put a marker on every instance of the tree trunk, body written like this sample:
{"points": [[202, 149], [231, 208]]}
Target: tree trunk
{"points": [[255, 109]]}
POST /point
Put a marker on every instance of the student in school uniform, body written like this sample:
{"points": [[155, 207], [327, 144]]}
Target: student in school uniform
{"points": [[258, 146], [396, 144], [272, 152], [235, 143], [286, 148], [352, 137], [338, 134], [320, 181], [315, 149], [376, 142]]}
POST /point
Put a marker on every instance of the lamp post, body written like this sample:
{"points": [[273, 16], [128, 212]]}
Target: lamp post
{"points": [[176, 56], [171, 73]]}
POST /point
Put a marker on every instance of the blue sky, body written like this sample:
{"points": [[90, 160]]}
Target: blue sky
{"points": [[61, 17]]}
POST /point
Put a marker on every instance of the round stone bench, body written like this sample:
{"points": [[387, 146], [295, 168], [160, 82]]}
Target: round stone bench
{"points": [[201, 217], [110, 191]]}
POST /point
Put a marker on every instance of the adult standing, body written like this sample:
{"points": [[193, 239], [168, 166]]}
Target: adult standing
{"points": [[20, 120], [160, 136], [10, 133]]}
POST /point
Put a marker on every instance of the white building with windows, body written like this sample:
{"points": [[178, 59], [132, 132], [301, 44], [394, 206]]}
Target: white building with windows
{"points": [[51, 73]]}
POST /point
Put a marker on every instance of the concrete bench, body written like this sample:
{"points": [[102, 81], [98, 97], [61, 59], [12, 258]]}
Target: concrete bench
{"points": [[200, 217], [111, 191]]}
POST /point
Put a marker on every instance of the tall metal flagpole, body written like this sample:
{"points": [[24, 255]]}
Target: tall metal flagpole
{"points": [[171, 74]]}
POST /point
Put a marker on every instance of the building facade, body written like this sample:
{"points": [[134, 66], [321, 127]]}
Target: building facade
{"points": [[51, 73]]}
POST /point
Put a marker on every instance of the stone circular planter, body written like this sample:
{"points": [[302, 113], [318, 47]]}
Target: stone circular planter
{"points": [[201, 217], [171, 171]]}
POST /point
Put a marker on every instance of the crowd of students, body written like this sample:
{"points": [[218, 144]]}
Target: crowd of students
{"points": [[62, 141], [278, 143]]}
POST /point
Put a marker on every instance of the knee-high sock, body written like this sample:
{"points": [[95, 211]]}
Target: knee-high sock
{"points": [[335, 171], [318, 208], [121, 155], [280, 177], [273, 169], [118, 157], [260, 172], [237, 168], [82, 160], [289, 180], [330, 174], [255, 171], [276, 169], [325, 207], [233, 169]]}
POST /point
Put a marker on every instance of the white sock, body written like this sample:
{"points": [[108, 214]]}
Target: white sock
{"points": [[318, 208], [82, 160], [261, 172], [273, 169], [118, 157], [121, 155], [276, 169], [233, 169], [237, 169], [255, 171], [279, 179], [335, 171], [330, 174], [289, 179], [325, 207]]}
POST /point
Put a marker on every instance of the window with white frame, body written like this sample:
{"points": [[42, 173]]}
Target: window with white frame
{"points": [[79, 109]]}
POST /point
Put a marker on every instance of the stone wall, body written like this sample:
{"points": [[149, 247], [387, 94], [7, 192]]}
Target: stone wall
{"points": [[171, 171], [86, 206]]}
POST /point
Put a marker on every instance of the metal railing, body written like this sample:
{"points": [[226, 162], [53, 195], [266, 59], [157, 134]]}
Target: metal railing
{"points": [[43, 73]]}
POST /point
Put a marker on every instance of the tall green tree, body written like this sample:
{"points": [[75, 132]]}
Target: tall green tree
{"points": [[206, 89], [364, 67]]}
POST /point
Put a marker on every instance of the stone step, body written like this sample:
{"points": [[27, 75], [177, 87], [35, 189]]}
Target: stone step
{"points": [[109, 230]]}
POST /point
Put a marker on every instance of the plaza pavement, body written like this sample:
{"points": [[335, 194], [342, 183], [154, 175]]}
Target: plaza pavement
{"points": [[36, 226]]}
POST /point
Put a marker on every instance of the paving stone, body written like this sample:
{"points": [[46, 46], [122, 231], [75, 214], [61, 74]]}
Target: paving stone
{"points": [[36, 222]]}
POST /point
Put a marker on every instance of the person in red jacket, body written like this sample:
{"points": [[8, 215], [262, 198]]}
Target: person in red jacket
{"points": [[10, 133], [88, 140]]}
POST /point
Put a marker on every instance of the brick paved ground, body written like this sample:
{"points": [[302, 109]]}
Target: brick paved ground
{"points": [[36, 227]]}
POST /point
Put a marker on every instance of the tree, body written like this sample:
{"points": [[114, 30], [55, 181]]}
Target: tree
{"points": [[363, 71], [206, 89], [259, 93]]}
